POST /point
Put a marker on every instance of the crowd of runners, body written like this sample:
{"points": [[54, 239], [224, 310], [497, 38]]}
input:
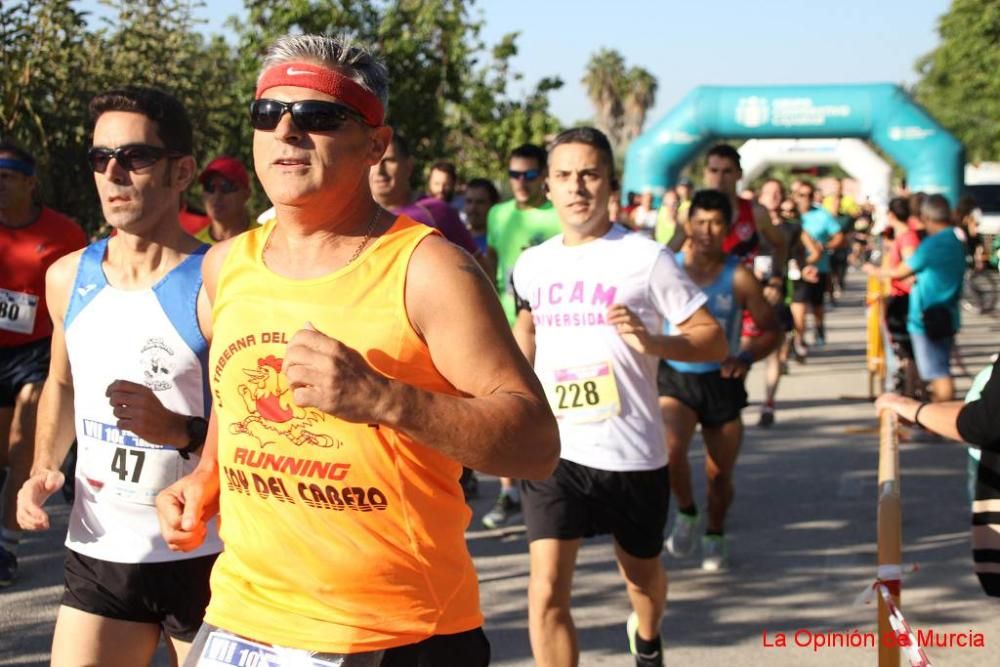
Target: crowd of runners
{"points": [[278, 419]]}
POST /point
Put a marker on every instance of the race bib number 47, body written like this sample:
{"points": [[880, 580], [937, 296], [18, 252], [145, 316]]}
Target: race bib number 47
{"points": [[583, 394], [17, 311], [117, 462]]}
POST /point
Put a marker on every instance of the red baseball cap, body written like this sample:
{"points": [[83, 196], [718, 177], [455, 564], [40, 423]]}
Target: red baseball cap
{"points": [[227, 167]]}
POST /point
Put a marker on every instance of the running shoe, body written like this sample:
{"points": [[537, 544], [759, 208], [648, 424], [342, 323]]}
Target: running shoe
{"points": [[714, 553], [819, 338], [641, 659], [799, 351], [681, 540], [505, 511], [8, 568], [766, 416]]}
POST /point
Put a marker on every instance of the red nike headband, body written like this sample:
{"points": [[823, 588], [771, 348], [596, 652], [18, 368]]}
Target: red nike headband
{"points": [[325, 80]]}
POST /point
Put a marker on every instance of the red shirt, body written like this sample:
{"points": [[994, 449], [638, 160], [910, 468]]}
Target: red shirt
{"points": [[192, 222], [26, 253], [909, 240], [742, 239]]}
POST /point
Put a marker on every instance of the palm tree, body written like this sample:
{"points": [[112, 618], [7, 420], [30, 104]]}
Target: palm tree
{"points": [[640, 95], [604, 76]]}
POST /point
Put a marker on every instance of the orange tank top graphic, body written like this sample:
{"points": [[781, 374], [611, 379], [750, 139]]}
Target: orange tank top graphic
{"points": [[339, 537]]}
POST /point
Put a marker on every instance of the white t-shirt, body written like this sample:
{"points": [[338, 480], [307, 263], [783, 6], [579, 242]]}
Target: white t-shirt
{"points": [[602, 391]]}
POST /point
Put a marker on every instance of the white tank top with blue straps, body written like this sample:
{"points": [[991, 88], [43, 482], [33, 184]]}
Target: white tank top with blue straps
{"points": [[147, 336], [722, 304]]}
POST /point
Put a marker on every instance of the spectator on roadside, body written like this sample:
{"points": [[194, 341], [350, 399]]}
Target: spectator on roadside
{"points": [[975, 423], [933, 320], [904, 244], [916, 202], [967, 215]]}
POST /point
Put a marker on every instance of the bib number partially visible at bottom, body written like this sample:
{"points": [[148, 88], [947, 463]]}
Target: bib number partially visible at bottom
{"points": [[17, 311], [583, 394], [223, 649]]}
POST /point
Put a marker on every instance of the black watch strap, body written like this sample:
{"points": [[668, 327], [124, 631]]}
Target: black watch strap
{"points": [[197, 430]]}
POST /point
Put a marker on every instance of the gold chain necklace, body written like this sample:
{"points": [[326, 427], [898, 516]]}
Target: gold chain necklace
{"points": [[357, 251]]}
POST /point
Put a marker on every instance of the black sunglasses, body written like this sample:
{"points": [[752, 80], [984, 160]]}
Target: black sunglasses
{"points": [[308, 115], [222, 185], [132, 157], [528, 175]]}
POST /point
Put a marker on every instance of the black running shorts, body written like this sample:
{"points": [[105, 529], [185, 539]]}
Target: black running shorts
{"points": [[715, 399], [810, 293], [578, 501], [172, 594], [21, 365]]}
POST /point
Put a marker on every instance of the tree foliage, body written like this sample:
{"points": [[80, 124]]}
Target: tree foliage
{"points": [[959, 83], [448, 103], [621, 96]]}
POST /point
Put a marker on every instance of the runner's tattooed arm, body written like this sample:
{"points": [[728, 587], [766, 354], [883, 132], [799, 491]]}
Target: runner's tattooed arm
{"points": [[500, 424]]}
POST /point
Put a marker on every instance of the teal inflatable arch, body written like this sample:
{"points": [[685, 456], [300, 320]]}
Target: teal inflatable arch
{"points": [[880, 113]]}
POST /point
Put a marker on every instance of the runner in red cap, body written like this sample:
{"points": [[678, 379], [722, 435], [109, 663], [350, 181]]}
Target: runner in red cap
{"points": [[226, 188]]}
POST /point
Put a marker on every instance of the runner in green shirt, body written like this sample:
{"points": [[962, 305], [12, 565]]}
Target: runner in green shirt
{"points": [[526, 220], [522, 222]]}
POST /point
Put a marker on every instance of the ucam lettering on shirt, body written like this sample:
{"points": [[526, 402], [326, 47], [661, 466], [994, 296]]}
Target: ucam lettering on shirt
{"points": [[554, 305]]}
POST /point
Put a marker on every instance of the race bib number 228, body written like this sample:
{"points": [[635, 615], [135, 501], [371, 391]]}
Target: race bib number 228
{"points": [[583, 394]]}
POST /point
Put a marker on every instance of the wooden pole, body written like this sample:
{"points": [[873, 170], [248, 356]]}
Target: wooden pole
{"points": [[890, 531]]}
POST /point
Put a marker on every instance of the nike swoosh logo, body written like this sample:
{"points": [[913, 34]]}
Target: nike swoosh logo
{"points": [[291, 71], [647, 656], [84, 291]]}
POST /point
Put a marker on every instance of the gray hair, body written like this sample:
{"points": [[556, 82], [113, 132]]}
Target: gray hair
{"points": [[935, 208], [341, 53]]}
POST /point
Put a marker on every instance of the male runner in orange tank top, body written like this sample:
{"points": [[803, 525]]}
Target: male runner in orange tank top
{"points": [[358, 361]]}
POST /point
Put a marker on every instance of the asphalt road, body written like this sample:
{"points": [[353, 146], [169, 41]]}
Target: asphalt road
{"points": [[802, 533]]}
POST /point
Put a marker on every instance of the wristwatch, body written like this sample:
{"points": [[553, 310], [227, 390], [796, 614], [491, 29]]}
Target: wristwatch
{"points": [[197, 430]]}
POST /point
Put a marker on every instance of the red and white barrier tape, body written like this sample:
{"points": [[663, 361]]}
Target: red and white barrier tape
{"points": [[887, 584], [916, 655]]}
